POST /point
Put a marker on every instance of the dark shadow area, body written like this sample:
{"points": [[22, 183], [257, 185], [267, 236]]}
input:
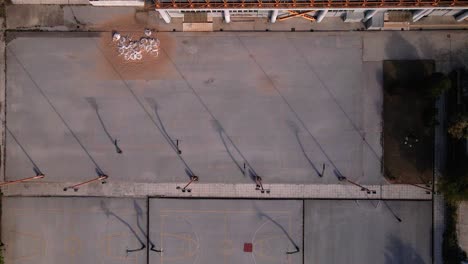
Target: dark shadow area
{"points": [[108, 212], [295, 129], [189, 174], [261, 214], [391, 211], [409, 132], [452, 253], [409, 114], [398, 47], [114, 141], [220, 131], [139, 214], [253, 175], [398, 252], [154, 104], [55, 110], [35, 168], [338, 175]]}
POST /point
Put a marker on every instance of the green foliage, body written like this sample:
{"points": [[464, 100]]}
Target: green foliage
{"points": [[451, 251], [454, 185], [429, 117], [459, 127], [437, 84]]}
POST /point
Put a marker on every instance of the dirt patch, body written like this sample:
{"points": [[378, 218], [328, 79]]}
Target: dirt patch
{"points": [[148, 68], [408, 140]]}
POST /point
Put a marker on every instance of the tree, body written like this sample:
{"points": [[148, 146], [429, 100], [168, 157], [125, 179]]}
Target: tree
{"points": [[437, 84], [459, 127]]}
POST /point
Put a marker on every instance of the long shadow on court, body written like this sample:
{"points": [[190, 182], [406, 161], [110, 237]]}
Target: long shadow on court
{"points": [[261, 214], [396, 251], [291, 108], [139, 214], [295, 129], [246, 168], [35, 167], [217, 126], [98, 169], [170, 141], [114, 141], [108, 212]]}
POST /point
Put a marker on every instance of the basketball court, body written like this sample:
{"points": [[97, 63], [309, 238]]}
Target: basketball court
{"points": [[205, 231], [226, 231]]}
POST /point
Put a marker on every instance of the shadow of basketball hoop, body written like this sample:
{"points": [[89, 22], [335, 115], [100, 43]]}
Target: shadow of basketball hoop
{"points": [[271, 244]]}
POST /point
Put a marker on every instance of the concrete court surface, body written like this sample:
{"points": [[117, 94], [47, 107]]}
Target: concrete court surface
{"points": [[74, 231], [284, 104], [101, 230], [215, 231], [366, 232]]}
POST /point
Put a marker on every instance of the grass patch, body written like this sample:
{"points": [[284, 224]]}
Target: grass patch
{"points": [[451, 251], [454, 183], [409, 119]]}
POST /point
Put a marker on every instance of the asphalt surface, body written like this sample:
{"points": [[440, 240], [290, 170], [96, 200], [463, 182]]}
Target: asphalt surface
{"points": [[368, 232], [239, 105], [216, 231], [63, 230], [114, 230]]}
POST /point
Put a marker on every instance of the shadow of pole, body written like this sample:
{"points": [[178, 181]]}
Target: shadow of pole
{"points": [[140, 103], [36, 169], [220, 131], [262, 214], [161, 124], [296, 133], [244, 169], [98, 168], [392, 212], [139, 213], [93, 103], [299, 119]]}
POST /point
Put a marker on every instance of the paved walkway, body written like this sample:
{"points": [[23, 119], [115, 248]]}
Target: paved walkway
{"points": [[439, 165], [213, 190]]}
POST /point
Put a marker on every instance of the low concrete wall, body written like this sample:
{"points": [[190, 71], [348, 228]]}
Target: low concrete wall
{"points": [[50, 2]]}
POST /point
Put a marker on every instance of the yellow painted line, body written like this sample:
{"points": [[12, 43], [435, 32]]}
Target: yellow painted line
{"points": [[39, 251]]}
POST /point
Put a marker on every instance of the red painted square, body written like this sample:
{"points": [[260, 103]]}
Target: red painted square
{"points": [[248, 247]]}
